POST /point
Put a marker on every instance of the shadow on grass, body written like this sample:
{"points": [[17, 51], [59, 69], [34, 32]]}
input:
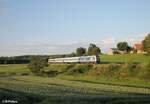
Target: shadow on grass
{"points": [[106, 62], [109, 84], [19, 97], [26, 98]]}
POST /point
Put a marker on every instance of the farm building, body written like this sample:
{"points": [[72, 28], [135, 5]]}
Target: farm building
{"points": [[138, 47], [113, 51]]}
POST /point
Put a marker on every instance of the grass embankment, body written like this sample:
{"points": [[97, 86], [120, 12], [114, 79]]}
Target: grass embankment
{"points": [[128, 74]]}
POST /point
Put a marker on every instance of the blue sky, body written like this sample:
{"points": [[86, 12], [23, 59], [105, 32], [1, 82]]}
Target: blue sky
{"points": [[60, 26]]}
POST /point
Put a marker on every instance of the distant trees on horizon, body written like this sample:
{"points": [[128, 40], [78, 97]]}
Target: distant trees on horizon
{"points": [[80, 51], [92, 50], [124, 46]]}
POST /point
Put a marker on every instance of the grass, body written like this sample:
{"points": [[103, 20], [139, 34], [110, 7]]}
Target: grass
{"points": [[108, 81], [125, 58], [33, 89], [26, 98], [14, 69], [75, 88]]}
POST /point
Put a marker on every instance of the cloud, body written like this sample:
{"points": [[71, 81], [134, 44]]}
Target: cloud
{"points": [[39, 48], [60, 48], [108, 41]]}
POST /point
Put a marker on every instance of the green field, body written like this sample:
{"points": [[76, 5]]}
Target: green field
{"points": [[14, 69], [125, 58], [39, 90], [19, 84]]}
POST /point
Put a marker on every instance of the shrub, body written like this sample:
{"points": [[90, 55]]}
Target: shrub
{"points": [[142, 71], [97, 70], [3, 73], [12, 73], [133, 70], [80, 68], [108, 70], [111, 70], [147, 68], [24, 74], [60, 67], [50, 72], [36, 64], [129, 69]]}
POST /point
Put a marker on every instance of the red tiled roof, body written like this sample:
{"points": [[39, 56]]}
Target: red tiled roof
{"points": [[138, 46]]}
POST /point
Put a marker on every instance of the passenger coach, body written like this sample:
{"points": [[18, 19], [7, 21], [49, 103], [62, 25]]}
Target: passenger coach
{"points": [[82, 59]]}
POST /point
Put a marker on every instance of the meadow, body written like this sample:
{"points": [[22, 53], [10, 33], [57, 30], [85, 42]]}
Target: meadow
{"points": [[124, 58], [105, 83]]}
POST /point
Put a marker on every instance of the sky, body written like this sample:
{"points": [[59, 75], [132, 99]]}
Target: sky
{"points": [[60, 26]]}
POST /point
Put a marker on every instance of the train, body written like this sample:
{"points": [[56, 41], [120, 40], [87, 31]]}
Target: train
{"points": [[81, 59]]}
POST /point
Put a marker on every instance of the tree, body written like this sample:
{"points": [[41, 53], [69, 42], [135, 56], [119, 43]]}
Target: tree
{"points": [[123, 46], [93, 50], [36, 64], [146, 43], [80, 51], [129, 49], [72, 54]]}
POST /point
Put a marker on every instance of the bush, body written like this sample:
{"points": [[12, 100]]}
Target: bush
{"points": [[145, 71], [111, 70], [97, 70], [80, 68], [36, 64], [3, 73], [50, 72], [128, 69], [148, 69], [24, 74], [142, 71], [60, 67], [132, 70], [12, 73]]}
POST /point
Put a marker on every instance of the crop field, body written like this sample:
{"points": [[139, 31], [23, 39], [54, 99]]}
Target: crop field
{"points": [[39, 90]]}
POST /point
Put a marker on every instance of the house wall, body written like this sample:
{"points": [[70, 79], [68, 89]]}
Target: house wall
{"points": [[110, 52]]}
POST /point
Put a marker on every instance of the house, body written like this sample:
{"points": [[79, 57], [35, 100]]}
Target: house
{"points": [[113, 51], [138, 47]]}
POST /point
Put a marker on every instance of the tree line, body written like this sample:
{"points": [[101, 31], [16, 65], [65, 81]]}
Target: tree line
{"points": [[13, 60], [25, 59], [92, 50], [121, 46], [124, 46]]}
